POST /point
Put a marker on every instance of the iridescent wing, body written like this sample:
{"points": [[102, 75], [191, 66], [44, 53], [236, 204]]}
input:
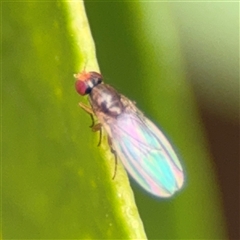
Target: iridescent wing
{"points": [[146, 154]]}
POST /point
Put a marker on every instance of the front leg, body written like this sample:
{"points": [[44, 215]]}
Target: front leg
{"points": [[95, 127], [88, 110]]}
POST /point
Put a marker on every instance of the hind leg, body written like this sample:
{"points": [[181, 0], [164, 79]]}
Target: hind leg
{"points": [[115, 156]]}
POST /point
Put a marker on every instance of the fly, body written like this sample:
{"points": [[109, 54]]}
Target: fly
{"points": [[143, 149]]}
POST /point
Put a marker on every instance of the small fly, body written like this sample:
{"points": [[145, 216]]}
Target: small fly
{"points": [[143, 149]]}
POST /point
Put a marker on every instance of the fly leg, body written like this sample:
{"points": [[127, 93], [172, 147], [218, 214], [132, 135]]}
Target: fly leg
{"points": [[89, 111], [115, 156], [98, 127], [95, 127]]}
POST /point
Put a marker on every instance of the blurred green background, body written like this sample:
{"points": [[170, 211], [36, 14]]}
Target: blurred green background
{"points": [[178, 61], [208, 37]]}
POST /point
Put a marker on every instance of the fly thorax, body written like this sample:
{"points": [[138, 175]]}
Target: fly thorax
{"points": [[104, 99]]}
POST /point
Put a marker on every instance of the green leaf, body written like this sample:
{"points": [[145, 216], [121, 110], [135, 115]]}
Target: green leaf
{"points": [[56, 182]]}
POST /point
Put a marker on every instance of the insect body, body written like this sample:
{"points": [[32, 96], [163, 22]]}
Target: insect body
{"points": [[143, 149]]}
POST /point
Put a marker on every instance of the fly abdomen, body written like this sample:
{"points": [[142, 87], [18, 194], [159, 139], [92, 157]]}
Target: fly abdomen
{"points": [[105, 99]]}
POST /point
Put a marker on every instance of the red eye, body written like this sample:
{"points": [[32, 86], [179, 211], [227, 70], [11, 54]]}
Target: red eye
{"points": [[81, 87], [86, 81]]}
